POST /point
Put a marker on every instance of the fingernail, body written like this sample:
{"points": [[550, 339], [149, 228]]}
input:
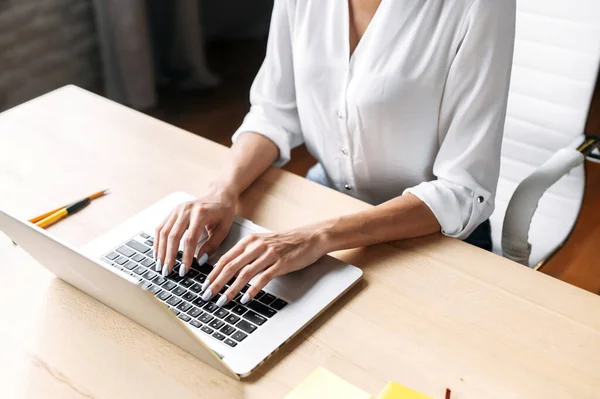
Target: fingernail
{"points": [[205, 284], [245, 299], [153, 254], [182, 270], [222, 300], [207, 294], [158, 266], [165, 270], [202, 260]]}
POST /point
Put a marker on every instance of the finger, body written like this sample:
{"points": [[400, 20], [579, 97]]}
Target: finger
{"points": [[266, 276], [228, 271], [173, 240], [234, 252], [161, 239], [216, 237], [194, 233], [245, 275]]}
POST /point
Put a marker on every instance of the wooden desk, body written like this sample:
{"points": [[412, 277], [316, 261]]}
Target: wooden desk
{"points": [[430, 313]]}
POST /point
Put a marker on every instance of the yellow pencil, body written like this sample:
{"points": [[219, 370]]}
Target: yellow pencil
{"points": [[49, 218]]}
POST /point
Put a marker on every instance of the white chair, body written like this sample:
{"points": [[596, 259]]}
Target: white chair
{"points": [[557, 53]]}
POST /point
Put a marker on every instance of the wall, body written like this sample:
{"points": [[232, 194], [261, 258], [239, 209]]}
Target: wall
{"points": [[45, 44]]}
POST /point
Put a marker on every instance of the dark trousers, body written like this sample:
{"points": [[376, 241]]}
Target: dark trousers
{"points": [[482, 236]]}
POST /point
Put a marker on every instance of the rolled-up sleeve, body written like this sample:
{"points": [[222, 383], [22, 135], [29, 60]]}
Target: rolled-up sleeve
{"points": [[471, 121], [273, 112]]}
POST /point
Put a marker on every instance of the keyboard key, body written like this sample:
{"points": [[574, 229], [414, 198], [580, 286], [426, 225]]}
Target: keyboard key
{"points": [[179, 291], [184, 306], [128, 252], [148, 263], [145, 285], [121, 260], [239, 336], [216, 323], [173, 301], [187, 282], [219, 336], [200, 278], [129, 265], [139, 270], [227, 329], [169, 285], [197, 288], [149, 242], [239, 310], [229, 305], [196, 323], [245, 288], [199, 302], [194, 311], [215, 298], [246, 327], [191, 274], [231, 318], [184, 317], [260, 293], [155, 289], [188, 296], [144, 235], [138, 246], [205, 318], [149, 275], [207, 330], [262, 309], [278, 304], [230, 343], [221, 313], [267, 299], [204, 269], [254, 318], [175, 311], [159, 280], [112, 255], [138, 257], [210, 307]]}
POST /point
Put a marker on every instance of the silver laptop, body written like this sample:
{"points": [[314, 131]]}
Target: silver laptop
{"points": [[118, 270]]}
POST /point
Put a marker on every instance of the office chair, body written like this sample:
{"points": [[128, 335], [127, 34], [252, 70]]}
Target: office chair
{"points": [[542, 178]]}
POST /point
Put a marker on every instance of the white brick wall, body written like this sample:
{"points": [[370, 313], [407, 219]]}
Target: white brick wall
{"points": [[45, 44]]}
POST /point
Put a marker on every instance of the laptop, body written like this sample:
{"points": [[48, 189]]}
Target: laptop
{"points": [[118, 270]]}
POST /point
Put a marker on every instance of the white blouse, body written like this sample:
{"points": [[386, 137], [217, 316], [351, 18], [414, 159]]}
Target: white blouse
{"points": [[419, 106]]}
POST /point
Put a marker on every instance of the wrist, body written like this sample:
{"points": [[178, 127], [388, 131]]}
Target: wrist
{"points": [[223, 190], [325, 236]]}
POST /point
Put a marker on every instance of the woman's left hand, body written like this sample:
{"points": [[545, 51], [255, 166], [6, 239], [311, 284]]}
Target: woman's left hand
{"points": [[273, 254]]}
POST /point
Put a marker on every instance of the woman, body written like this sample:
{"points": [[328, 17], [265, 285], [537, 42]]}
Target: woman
{"points": [[403, 105]]}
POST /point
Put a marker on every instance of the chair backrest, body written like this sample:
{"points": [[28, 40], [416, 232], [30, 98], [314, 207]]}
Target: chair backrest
{"points": [[557, 53]]}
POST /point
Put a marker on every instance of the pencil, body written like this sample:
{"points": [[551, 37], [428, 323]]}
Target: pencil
{"points": [[448, 393], [49, 218]]}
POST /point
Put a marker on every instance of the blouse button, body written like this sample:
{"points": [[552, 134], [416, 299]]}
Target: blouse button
{"points": [[344, 151], [480, 199], [340, 114], [347, 186]]}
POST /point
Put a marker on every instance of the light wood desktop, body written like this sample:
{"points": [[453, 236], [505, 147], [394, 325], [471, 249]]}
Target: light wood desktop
{"points": [[431, 313]]}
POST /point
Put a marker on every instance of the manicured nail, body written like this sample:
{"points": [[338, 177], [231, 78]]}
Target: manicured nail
{"points": [[222, 300], [205, 284], [245, 299], [207, 294], [158, 266], [202, 260], [153, 254], [182, 270], [165, 271]]}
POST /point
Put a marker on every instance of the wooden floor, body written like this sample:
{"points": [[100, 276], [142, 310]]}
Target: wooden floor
{"points": [[215, 114]]}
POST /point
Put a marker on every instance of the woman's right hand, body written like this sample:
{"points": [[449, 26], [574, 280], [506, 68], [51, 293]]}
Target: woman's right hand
{"points": [[214, 212]]}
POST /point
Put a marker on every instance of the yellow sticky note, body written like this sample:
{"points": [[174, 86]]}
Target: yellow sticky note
{"points": [[323, 384], [397, 391]]}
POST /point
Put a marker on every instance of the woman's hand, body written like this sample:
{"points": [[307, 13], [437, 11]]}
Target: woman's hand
{"points": [[213, 212], [273, 254]]}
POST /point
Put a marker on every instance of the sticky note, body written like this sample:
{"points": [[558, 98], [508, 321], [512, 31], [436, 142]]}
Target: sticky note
{"points": [[323, 384], [397, 391]]}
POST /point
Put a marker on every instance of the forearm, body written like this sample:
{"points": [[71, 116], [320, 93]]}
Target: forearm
{"points": [[249, 157], [400, 218]]}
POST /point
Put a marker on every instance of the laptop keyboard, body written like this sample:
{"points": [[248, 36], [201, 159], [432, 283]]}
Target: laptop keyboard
{"points": [[230, 324]]}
